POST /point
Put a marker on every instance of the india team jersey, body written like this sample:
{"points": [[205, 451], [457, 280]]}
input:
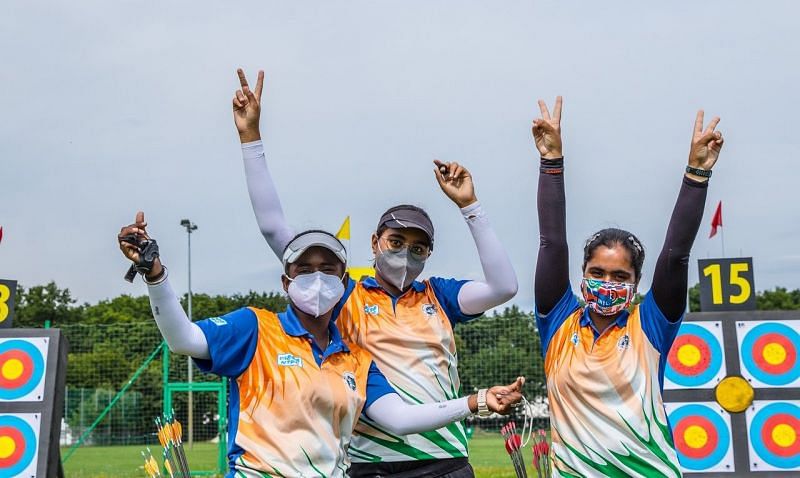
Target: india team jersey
{"points": [[292, 406], [411, 339], [606, 411]]}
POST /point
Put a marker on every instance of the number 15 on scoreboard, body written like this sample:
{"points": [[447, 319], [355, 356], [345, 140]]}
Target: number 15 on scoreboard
{"points": [[727, 284]]}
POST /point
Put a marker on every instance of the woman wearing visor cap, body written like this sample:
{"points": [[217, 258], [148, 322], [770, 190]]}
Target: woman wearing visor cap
{"points": [[297, 387], [605, 361], [406, 324]]}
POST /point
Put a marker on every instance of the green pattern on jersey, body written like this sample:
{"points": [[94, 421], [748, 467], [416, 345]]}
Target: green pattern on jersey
{"points": [[633, 464]]}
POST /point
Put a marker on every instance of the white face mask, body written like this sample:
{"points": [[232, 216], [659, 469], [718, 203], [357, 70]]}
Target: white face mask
{"points": [[315, 293]]}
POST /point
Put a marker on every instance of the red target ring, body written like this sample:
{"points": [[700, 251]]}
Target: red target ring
{"points": [[786, 353], [690, 448], [24, 359], [16, 437], [792, 448], [688, 369]]}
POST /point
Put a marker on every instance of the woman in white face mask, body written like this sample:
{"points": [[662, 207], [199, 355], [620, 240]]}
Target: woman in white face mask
{"points": [[297, 388], [405, 323]]}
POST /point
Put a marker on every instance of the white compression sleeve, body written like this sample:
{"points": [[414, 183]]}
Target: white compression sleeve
{"points": [[264, 198], [182, 336], [500, 280], [399, 417]]}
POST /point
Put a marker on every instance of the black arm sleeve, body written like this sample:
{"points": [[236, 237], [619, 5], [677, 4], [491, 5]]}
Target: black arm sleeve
{"points": [[671, 277], [552, 266]]}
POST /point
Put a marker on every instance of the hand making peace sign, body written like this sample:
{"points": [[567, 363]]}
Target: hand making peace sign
{"points": [[247, 108], [706, 145], [547, 131]]}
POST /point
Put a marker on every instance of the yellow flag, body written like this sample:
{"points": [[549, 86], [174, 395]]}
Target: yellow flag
{"points": [[344, 231]]}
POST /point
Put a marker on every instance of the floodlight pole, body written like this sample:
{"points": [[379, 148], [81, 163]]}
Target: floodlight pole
{"points": [[190, 226]]}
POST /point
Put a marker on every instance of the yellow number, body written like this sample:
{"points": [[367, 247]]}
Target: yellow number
{"points": [[713, 270], [742, 297], [5, 294]]}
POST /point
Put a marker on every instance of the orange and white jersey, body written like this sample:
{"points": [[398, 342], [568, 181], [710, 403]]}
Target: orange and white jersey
{"points": [[293, 406], [411, 339], [606, 410]]}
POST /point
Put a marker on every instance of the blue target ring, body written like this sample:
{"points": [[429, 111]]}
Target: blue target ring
{"points": [[714, 357], [702, 414], [760, 420], [749, 347], [34, 368], [28, 441]]}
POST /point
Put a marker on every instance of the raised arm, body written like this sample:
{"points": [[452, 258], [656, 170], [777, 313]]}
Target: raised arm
{"points": [[551, 280], [393, 413], [500, 281], [182, 336], [671, 276], [260, 187]]}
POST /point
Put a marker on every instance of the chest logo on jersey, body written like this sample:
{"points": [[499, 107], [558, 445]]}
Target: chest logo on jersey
{"points": [[624, 342], [289, 360], [575, 338], [218, 321], [429, 309], [350, 380], [371, 309]]}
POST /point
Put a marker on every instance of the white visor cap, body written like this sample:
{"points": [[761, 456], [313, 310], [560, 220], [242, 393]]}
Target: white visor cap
{"points": [[304, 241]]}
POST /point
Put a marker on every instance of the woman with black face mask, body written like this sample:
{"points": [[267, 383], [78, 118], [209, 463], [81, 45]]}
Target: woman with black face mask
{"points": [[406, 324], [605, 361], [297, 386]]}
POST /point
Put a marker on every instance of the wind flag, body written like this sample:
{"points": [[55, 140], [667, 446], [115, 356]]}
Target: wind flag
{"points": [[1, 233], [716, 221], [344, 231]]}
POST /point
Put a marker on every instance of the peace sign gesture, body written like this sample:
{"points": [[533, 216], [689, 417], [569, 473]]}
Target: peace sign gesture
{"points": [[247, 108], [706, 144], [547, 131]]}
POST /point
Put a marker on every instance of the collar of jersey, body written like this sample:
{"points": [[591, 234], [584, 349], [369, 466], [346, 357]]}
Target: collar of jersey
{"points": [[371, 283], [621, 321], [292, 326]]}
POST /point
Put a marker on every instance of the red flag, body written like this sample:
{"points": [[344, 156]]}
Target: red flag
{"points": [[716, 221], [1, 233]]}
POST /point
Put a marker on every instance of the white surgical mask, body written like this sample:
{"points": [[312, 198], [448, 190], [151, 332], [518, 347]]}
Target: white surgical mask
{"points": [[315, 293]]}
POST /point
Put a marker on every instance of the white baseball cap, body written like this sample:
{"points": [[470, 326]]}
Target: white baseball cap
{"points": [[314, 238]]}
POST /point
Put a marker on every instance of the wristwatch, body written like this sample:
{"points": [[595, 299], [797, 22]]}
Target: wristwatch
{"points": [[483, 410]]}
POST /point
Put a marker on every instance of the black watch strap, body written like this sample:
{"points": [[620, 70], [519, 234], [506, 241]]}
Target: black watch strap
{"points": [[706, 173]]}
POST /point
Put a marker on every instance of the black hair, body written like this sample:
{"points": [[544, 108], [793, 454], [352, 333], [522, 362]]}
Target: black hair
{"points": [[611, 237], [382, 227]]}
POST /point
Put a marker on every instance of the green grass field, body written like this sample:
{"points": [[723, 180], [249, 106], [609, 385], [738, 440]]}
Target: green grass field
{"points": [[487, 455]]}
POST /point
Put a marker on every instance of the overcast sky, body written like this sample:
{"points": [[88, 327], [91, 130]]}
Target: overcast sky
{"points": [[111, 107]]}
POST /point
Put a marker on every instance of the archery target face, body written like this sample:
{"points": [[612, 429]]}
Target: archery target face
{"points": [[774, 436], [702, 434], [696, 359], [768, 353], [19, 444], [22, 369]]}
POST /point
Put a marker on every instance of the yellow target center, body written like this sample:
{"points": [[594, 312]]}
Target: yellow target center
{"points": [[784, 435], [734, 394], [7, 447], [695, 436], [774, 354], [12, 369], [689, 355]]}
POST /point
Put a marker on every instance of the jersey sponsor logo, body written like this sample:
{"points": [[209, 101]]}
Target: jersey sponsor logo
{"points": [[289, 360], [624, 342], [218, 321], [350, 380], [371, 309], [575, 338], [429, 309]]}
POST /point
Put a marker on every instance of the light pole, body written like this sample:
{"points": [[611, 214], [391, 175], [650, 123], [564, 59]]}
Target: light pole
{"points": [[190, 227]]}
